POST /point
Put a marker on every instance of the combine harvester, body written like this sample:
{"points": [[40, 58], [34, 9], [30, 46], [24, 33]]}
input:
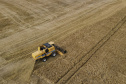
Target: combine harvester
{"points": [[46, 50]]}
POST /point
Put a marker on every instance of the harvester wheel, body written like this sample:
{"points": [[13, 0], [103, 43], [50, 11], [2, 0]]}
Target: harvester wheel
{"points": [[54, 54], [44, 59]]}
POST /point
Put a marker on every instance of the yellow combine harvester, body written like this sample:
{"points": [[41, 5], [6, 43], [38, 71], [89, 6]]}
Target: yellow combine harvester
{"points": [[47, 49]]}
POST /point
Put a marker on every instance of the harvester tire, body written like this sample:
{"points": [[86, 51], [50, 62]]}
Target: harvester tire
{"points": [[54, 54], [44, 60]]}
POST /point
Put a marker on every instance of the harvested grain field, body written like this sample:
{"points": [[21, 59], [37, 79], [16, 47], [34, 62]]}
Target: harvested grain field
{"points": [[92, 31]]}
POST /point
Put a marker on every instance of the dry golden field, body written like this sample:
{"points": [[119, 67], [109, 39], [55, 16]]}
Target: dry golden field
{"points": [[92, 31]]}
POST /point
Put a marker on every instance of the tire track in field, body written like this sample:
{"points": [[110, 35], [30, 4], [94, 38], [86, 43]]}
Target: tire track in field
{"points": [[24, 7], [40, 35], [27, 8], [28, 39], [37, 36], [65, 78], [15, 13], [73, 32], [25, 52], [15, 18], [70, 8], [29, 50]]}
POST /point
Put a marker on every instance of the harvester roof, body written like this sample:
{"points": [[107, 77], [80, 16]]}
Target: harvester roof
{"points": [[47, 45]]}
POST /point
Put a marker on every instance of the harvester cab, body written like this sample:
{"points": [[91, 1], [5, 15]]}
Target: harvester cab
{"points": [[47, 49]]}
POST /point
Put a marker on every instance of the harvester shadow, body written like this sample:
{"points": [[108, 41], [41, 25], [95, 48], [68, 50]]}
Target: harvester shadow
{"points": [[39, 63]]}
